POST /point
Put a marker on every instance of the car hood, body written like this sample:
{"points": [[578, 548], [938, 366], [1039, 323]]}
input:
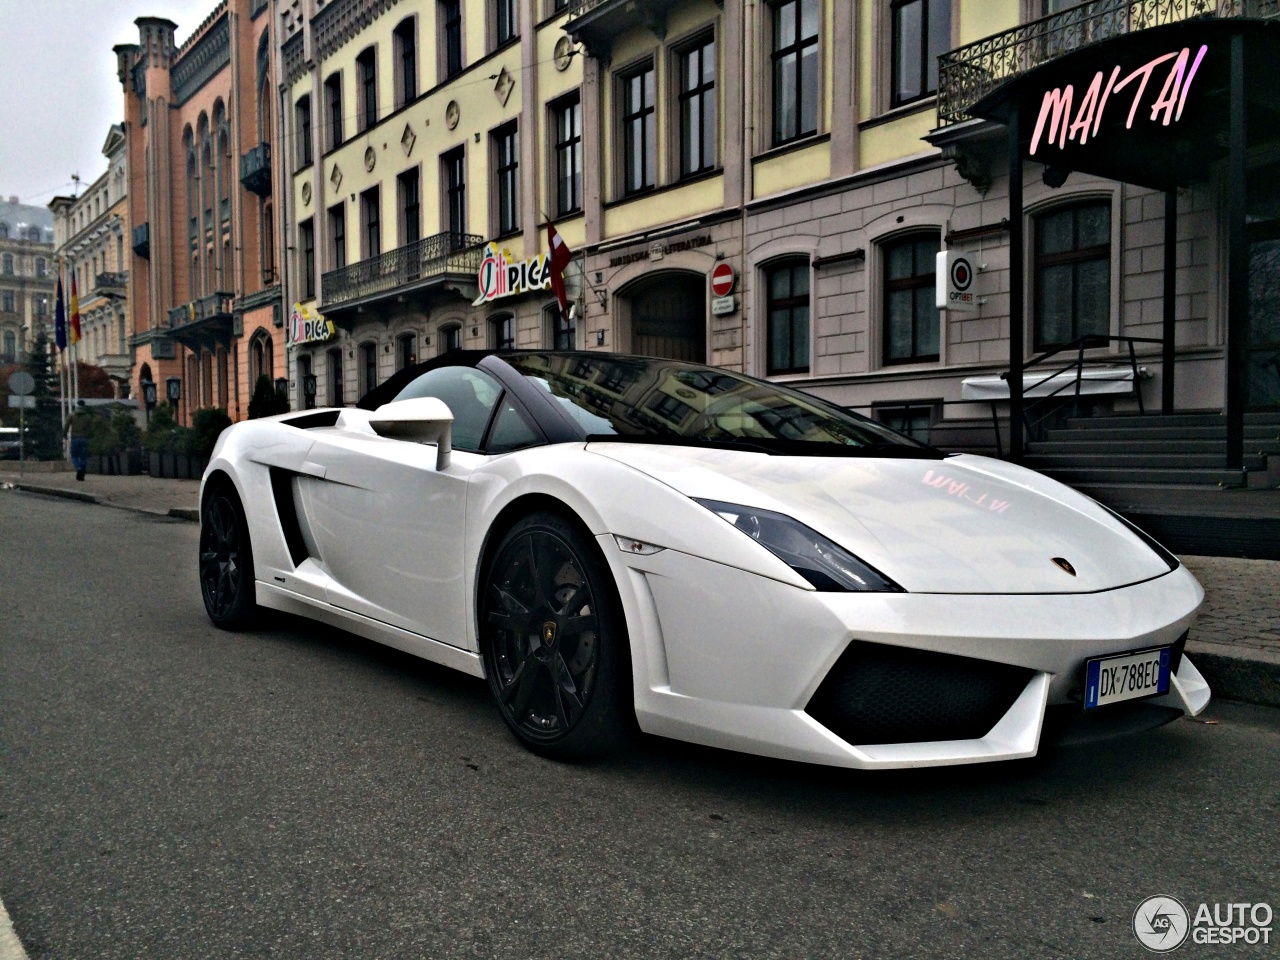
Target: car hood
{"points": [[963, 524]]}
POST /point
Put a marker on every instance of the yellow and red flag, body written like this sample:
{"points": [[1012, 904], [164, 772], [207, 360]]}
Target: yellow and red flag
{"points": [[75, 311]]}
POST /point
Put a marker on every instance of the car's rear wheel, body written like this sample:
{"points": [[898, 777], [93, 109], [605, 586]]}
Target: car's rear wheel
{"points": [[226, 559], [554, 641]]}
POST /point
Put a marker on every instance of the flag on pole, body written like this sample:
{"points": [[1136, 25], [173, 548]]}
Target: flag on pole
{"points": [[560, 257], [60, 318], [75, 312]]}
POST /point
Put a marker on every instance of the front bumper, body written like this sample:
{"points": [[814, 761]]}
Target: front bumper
{"points": [[731, 659]]}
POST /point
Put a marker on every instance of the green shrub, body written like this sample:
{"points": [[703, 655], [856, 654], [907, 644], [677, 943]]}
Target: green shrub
{"points": [[207, 424], [183, 440], [128, 436], [102, 439], [266, 402], [159, 433]]}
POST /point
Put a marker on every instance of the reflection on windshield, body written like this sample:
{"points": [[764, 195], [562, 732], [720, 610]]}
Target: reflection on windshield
{"points": [[637, 397]]}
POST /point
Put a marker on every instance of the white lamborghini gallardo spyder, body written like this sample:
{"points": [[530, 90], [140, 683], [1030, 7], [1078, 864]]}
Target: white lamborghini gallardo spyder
{"points": [[615, 540]]}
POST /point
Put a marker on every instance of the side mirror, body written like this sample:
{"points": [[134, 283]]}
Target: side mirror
{"points": [[421, 420]]}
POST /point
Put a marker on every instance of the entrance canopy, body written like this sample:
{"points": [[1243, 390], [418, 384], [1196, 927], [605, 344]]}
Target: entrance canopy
{"points": [[1151, 107]]}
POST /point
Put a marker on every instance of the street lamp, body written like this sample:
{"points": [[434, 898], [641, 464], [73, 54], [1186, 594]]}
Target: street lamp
{"points": [[173, 391], [149, 397]]}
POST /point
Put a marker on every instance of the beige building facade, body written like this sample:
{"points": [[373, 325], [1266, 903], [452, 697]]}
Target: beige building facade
{"points": [[27, 277]]}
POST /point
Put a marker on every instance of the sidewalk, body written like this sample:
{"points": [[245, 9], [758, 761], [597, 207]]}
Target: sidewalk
{"points": [[1235, 641]]}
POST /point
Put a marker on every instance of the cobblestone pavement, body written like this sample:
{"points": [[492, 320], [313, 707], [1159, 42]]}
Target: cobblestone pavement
{"points": [[1235, 641]]}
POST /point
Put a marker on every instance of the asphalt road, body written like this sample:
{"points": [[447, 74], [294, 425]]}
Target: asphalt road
{"points": [[171, 790]]}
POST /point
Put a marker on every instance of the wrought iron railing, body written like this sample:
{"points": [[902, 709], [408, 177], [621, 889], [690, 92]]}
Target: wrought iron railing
{"points": [[255, 169], [110, 280], [578, 7], [969, 73], [213, 305], [435, 256], [141, 242]]}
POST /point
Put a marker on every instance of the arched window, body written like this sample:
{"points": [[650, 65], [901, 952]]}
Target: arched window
{"points": [[451, 338], [368, 367], [787, 315], [502, 332], [1072, 273], [261, 360], [911, 319], [4, 231], [10, 347], [406, 350]]}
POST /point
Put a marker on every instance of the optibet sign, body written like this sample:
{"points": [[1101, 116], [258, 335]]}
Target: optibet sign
{"points": [[955, 282], [501, 275]]}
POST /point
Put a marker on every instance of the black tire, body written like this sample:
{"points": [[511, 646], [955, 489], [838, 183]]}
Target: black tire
{"points": [[554, 641], [226, 560]]}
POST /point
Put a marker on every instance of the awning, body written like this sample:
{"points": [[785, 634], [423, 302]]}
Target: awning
{"points": [[1094, 380]]}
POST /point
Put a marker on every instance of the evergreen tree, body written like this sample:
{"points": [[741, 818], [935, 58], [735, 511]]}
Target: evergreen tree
{"points": [[44, 441]]}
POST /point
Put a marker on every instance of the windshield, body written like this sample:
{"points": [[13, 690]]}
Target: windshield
{"points": [[637, 398]]}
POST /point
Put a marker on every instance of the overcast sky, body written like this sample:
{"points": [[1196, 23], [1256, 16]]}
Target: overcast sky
{"points": [[58, 89]]}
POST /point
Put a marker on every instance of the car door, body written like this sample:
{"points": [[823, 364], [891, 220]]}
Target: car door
{"points": [[388, 525]]}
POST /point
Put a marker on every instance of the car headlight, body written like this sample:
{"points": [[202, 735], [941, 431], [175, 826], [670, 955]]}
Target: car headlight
{"points": [[824, 563]]}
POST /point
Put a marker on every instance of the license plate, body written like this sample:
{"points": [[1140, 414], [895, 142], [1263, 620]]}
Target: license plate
{"points": [[1126, 677]]}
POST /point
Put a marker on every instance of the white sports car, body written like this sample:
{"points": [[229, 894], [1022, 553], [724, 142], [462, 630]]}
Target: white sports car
{"points": [[614, 540]]}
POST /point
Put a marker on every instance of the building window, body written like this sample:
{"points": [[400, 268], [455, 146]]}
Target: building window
{"points": [[406, 350], [451, 31], [7, 301], [368, 367], [406, 47], [10, 346], [370, 223], [506, 162], [563, 334], [910, 314], [302, 120], [1072, 274], [454, 169], [506, 25], [367, 78], [42, 305], [566, 118], [307, 252], [503, 332], [450, 338], [337, 237], [335, 378], [8, 265], [409, 190], [40, 267], [333, 104], [639, 131], [921, 31], [795, 70], [787, 312], [698, 129], [306, 386]]}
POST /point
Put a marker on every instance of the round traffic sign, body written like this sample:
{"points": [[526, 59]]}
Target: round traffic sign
{"points": [[722, 280], [21, 383]]}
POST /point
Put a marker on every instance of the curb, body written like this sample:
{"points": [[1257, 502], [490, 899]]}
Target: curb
{"points": [[57, 492], [185, 513], [177, 513], [1248, 679]]}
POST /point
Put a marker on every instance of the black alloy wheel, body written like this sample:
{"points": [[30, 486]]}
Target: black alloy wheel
{"points": [[553, 641], [226, 560]]}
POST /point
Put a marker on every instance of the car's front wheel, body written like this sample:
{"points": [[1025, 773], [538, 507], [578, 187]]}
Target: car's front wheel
{"points": [[554, 640], [226, 559]]}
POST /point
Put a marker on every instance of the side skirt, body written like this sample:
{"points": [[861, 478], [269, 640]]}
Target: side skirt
{"points": [[277, 598]]}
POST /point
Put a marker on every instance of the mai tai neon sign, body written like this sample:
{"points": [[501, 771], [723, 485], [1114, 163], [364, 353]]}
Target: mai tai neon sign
{"points": [[1056, 107]]}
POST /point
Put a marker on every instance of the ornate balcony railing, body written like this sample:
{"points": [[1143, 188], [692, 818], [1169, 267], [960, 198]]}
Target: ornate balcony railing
{"points": [[212, 307], [444, 254], [107, 282], [969, 73], [255, 169]]}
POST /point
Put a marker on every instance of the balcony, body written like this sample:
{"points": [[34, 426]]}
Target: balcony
{"points": [[596, 23], [255, 170], [206, 322], [426, 263], [142, 240], [111, 284], [969, 73]]}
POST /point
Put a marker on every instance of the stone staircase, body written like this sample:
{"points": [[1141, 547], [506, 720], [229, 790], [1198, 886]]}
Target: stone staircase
{"points": [[1181, 449]]}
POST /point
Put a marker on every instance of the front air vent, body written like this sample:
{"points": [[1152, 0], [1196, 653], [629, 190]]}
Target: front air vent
{"points": [[882, 694], [282, 490], [309, 421]]}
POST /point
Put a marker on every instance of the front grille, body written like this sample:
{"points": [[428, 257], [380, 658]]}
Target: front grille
{"points": [[882, 694]]}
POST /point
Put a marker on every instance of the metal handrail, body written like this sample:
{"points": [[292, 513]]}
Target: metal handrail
{"points": [[967, 74]]}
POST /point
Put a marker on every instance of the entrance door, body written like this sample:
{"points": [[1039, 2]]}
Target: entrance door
{"points": [[668, 318], [1262, 370]]}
